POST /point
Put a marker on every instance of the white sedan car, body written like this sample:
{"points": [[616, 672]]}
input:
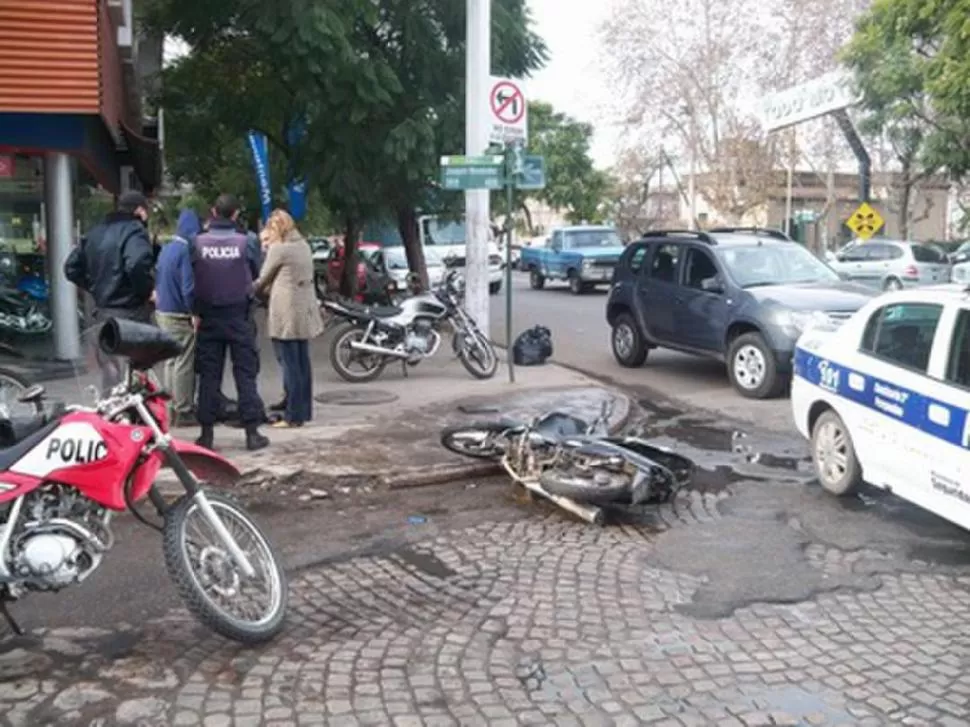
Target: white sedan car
{"points": [[885, 399]]}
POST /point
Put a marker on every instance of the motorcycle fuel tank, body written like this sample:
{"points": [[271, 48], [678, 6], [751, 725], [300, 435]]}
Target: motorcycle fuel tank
{"points": [[420, 305]]}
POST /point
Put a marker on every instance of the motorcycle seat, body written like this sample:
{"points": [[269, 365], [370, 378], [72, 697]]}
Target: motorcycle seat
{"points": [[20, 435], [556, 426]]}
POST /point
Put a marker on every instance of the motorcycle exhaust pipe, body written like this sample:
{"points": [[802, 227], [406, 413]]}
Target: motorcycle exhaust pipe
{"points": [[370, 348]]}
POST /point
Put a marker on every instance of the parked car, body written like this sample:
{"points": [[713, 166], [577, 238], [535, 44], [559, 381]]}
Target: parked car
{"points": [[447, 238], [739, 295], [584, 256], [892, 264], [884, 399], [393, 262], [327, 270]]}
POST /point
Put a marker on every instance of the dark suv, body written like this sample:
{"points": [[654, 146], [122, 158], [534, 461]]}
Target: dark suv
{"points": [[742, 295]]}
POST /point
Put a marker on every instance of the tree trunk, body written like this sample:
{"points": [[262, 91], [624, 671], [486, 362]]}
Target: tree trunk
{"points": [[528, 217], [905, 195], [348, 277], [407, 225]]}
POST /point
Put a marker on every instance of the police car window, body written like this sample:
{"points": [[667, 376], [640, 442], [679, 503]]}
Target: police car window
{"points": [[958, 367], [903, 334], [664, 263]]}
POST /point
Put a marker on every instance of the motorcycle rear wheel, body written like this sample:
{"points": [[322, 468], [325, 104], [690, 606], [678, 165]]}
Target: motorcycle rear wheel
{"points": [[13, 385], [210, 567], [614, 487], [461, 439], [477, 356], [373, 365]]}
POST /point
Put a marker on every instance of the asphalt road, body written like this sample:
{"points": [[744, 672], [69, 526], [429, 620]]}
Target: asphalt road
{"points": [[581, 339]]}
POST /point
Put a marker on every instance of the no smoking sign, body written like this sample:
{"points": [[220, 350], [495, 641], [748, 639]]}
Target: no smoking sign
{"points": [[507, 112]]}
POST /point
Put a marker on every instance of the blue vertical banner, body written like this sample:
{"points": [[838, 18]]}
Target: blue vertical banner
{"points": [[259, 147], [296, 186]]}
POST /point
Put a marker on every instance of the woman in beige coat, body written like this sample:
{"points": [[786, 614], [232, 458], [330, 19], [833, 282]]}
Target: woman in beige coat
{"points": [[294, 315]]}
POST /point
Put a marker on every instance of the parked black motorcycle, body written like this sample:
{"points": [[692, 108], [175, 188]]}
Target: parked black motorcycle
{"points": [[573, 463], [409, 332], [21, 315]]}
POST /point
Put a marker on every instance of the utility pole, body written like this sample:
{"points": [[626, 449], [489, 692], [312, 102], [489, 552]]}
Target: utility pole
{"points": [[691, 185], [790, 180], [478, 68]]}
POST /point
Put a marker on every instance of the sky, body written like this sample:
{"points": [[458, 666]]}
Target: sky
{"points": [[571, 80]]}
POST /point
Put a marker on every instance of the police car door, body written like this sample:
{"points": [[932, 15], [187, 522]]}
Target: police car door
{"points": [[891, 382], [944, 486]]}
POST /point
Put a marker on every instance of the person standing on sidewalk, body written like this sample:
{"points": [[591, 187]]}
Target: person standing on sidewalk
{"points": [[294, 314], [174, 299], [224, 273], [114, 263]]}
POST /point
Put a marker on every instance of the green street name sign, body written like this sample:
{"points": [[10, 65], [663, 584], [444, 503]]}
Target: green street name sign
{"points": [[463, 161], [461, 178]]}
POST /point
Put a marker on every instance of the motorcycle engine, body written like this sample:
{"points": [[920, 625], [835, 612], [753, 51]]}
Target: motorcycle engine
{"points": [[57, 545], [420, 340]]}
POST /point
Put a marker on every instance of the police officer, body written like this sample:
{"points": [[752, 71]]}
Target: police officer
{"points": [[225, 269]]}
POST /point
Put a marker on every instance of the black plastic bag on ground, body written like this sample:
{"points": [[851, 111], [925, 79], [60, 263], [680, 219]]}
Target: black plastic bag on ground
{"points": [[532, 347]]}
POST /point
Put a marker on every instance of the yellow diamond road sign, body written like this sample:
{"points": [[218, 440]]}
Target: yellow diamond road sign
{"points": [[865, 221]]}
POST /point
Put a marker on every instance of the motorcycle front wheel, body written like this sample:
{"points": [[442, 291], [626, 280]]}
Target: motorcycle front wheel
{"points": [[479, 440], [343, 356], [476, 354], [248, 610]]}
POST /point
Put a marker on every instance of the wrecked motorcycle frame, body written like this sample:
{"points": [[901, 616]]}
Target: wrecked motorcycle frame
{"points": [[573, 463]]}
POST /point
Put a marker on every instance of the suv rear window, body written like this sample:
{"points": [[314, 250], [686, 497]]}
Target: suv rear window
{"points": [[927, 254]]}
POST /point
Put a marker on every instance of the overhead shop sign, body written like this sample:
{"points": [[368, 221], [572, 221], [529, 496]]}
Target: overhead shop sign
{"points": [[832, 92]]}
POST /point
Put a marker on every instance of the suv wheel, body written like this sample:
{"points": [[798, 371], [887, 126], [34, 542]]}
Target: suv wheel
{"points": [[536, 281], [576, 285], [834, 457], [893, 284], [629, 348], [752, 369]]}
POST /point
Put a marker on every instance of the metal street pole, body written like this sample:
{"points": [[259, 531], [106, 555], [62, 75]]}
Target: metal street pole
{"points": [[790, 181], [692, 186], [508, 279], [477, 72]]}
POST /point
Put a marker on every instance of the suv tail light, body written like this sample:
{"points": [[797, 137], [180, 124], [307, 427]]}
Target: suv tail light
{"points": [[911, 271]]}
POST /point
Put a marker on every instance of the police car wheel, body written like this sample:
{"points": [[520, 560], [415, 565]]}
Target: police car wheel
{"points": [[752, 369], [834, 457]]}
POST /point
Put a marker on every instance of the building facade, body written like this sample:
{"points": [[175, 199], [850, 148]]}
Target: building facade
{"points": [[74, 125]]}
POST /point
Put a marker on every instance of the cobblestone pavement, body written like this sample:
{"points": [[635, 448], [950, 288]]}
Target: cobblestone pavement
{"points": [[544, 621]]}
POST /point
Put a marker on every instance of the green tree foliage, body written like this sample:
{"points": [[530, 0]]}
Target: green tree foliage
{"points": [[380, 85], [911, 59]]}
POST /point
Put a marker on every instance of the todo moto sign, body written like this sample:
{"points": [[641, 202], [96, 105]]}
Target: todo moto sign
{"points": [[508, 112]]}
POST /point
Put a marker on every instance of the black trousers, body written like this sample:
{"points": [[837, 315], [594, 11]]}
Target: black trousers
{"points": [[294, 358], [229, 329]]}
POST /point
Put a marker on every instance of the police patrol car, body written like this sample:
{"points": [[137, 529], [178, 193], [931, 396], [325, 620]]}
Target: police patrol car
{"points": [[885, 398]]}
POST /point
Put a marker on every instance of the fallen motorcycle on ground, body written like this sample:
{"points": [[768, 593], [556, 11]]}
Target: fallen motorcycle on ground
{"points": [[373, 336], [573, 463], [66, 470]]}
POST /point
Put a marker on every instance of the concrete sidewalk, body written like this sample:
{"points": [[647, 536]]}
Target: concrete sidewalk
{"points": [[384, 433]]}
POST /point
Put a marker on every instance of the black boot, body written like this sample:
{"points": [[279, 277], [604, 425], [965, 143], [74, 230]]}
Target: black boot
{"points": [[279, 406], [255, 440], [206, 439]]}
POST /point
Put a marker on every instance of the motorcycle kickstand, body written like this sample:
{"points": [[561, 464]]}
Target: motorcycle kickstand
{"points": [[404, 367], [11, 621]]}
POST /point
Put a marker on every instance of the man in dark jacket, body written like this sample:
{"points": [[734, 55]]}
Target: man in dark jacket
{"points": [[225, 268], [114, 263]]}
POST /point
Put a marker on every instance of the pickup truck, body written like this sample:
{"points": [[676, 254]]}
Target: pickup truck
{"points": [[584, 256]]}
